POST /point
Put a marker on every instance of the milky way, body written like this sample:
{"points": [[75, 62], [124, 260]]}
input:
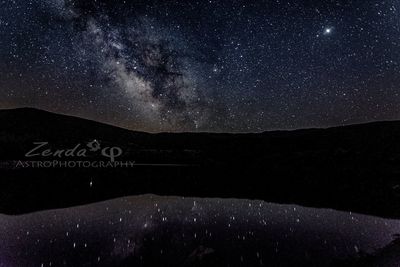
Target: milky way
{"points": [[147, 70], [204, 65]]}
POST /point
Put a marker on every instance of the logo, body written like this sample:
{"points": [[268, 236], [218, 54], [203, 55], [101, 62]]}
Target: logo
{"points": [[42, 149], [57, 158]]}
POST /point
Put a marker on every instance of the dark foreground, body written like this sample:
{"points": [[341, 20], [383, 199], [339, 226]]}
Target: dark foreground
{"points": [[353, 168]]}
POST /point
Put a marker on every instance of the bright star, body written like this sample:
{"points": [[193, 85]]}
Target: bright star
{"points": [[328, 31]]}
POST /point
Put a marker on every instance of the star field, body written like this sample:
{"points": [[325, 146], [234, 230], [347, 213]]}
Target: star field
{"points": [[203, 65]]}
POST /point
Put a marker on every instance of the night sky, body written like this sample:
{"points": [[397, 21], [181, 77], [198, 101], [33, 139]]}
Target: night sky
{"points": [[203, 65]]}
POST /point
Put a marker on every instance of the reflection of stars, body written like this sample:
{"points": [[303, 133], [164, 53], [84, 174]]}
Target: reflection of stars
{"points": [[172, 222]]}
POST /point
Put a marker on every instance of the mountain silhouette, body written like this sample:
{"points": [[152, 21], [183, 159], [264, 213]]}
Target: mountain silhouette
{"points": [[353, 168]]}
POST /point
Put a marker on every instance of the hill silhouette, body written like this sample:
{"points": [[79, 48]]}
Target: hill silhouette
{"points": [[354, 168]]}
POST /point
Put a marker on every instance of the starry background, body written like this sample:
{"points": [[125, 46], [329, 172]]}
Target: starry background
{"points": [[203, 65]]}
